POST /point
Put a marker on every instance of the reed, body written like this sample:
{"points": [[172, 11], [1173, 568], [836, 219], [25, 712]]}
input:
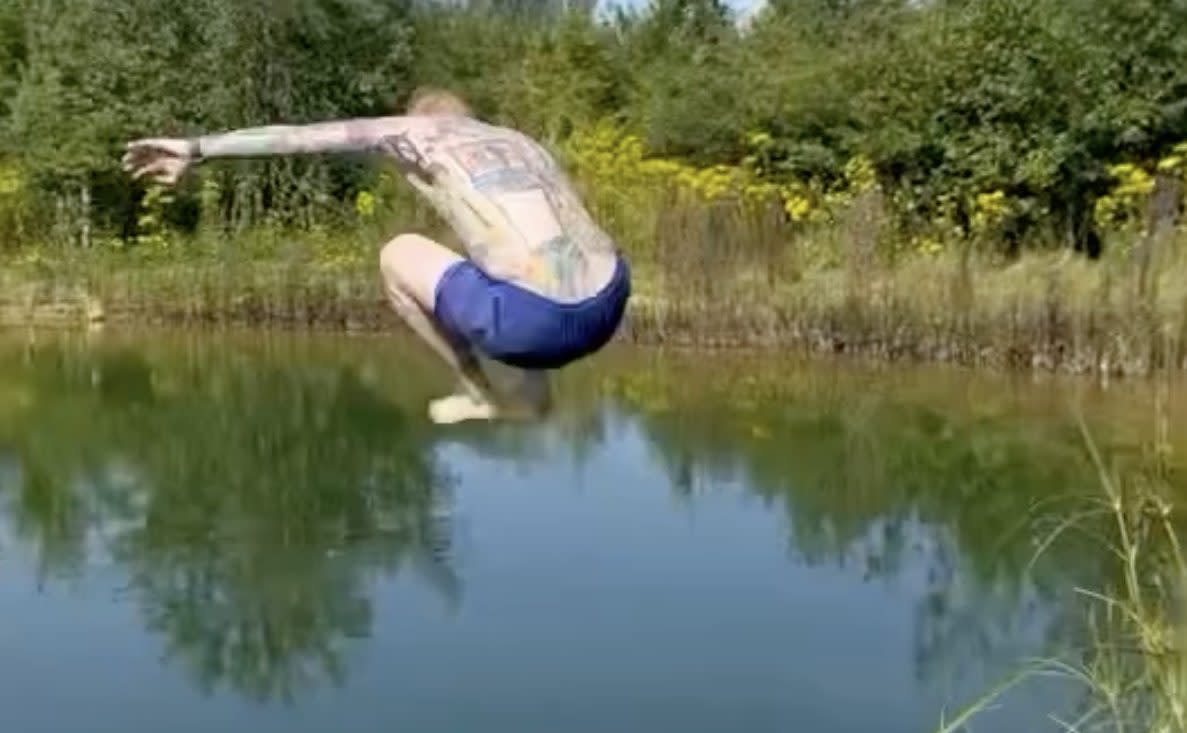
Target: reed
{"points": [[707, 274], [1131, 666]]}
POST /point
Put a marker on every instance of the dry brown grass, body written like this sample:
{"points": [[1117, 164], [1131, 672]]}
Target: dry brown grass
{"points": [[706, 276]]}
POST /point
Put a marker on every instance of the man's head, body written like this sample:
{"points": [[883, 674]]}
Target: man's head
{"points": [[437, 102]]}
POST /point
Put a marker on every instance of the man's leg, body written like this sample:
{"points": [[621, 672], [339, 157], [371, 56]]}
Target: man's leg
{"points": [[525, 393], [412, 266], [535, 392]]}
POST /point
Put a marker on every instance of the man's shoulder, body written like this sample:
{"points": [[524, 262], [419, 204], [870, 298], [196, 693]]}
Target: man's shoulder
{"points": [[474, 130], [460, 128]]}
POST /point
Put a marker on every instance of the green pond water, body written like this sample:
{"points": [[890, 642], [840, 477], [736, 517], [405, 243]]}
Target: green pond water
{"points": [[251, 533]]}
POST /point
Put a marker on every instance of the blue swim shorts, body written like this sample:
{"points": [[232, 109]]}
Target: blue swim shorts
{"points": [[516, 326]]}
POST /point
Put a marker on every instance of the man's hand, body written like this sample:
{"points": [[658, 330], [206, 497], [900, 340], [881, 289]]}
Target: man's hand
{"points": [[161, 160]]}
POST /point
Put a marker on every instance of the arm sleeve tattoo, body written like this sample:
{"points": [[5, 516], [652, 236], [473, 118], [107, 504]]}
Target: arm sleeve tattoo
{"points": [[341, 136]]}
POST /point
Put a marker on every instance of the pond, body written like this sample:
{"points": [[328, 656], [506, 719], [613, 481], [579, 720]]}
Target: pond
{"points": [[261, 532]]}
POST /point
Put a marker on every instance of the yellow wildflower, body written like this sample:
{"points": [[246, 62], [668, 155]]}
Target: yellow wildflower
{"points": [[364, 204], [1170, 163]]}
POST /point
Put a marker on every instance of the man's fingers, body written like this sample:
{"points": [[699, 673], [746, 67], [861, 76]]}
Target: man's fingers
{"points": [[138, 152], [163, 161], [152, 168], [166, 170], [143, 168], [140, 157]]}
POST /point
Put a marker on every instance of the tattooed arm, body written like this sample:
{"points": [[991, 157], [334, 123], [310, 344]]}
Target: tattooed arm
{"points": [[166, 159], [323, 137]]}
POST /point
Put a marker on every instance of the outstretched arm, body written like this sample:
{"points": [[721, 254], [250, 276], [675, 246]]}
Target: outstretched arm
{"points": [[166, 159], [322, 137]]}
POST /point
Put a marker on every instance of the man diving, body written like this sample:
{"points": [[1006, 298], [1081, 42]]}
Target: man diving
{"points": [[543, 285]]}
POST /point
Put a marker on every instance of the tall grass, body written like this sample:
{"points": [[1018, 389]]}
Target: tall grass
{"points": [[718, 273], [1136, 665], [1132, 666]]}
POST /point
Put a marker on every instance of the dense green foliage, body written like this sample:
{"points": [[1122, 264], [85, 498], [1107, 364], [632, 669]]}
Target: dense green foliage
{"points": [[94, 74], [949, 100]]}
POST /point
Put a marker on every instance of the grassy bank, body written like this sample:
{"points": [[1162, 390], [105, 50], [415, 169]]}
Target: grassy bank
{"points": [[1126, 314]]}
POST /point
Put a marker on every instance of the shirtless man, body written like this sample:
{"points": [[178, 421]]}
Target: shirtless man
{"points": [[543, 285]]}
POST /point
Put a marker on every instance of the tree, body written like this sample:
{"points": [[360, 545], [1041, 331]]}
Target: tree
{"points": [[12, 53], [99, 73]]}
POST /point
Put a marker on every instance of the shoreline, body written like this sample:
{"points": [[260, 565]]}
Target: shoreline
{"points": [[820, 320]]}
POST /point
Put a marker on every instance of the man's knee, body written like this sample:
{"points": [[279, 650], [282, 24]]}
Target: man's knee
{"points": [[396, 254], [415, 265]]}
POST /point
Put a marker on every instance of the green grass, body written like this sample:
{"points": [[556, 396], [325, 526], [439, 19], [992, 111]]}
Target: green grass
{"points": [[1131, 668], [704, 277]]}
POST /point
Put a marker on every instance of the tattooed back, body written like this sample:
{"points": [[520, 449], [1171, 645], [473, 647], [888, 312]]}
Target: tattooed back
{"points": [[514, 208]]}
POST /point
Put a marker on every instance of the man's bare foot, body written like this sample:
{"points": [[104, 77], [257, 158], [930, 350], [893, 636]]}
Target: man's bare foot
{"points": [[459, 407]]}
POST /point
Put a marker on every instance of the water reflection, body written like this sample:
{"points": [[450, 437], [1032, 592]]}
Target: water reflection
{"points": [[879, 484], [249, 505], [252, 494]]}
